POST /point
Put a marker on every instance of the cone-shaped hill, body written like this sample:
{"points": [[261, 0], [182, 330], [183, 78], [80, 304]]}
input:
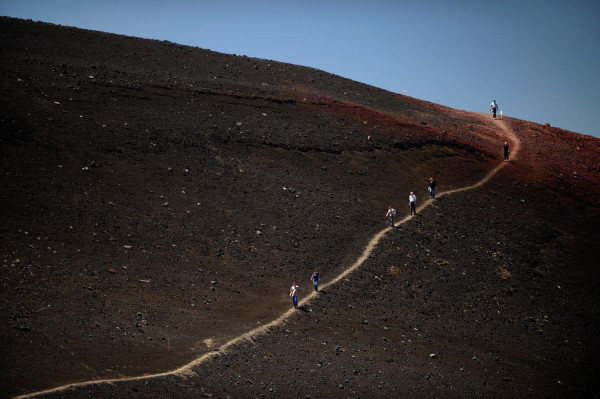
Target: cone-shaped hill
{"points": [[159, 200]]}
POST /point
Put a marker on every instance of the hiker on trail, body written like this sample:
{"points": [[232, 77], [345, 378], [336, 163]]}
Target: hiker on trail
{"points": [[390, 215], [412, 203], [506, 151], [494, 108], [432, 186], [315, 280], [294, 294]]}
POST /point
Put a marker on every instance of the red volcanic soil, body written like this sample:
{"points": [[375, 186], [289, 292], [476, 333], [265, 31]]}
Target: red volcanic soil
{"points": [[158, 201]]}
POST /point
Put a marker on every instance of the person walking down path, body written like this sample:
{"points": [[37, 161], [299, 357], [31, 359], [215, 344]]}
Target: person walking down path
{"points": [[432, 186], [412, 203], [315, 280], [294, 294], [494, 108], [506, 151], [390, 215]]}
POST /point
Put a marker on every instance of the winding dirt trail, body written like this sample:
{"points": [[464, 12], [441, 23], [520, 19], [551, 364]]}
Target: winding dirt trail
{"points": [[187, 369]]}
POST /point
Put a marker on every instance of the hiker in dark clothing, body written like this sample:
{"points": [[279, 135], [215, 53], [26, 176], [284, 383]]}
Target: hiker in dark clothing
{"points": [[432, 186], [315, 280]]}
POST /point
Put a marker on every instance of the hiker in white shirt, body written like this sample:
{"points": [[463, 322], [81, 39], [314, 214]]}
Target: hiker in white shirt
{"points": [[494, 108], [390, 215], [294, 294], [412, 203]]}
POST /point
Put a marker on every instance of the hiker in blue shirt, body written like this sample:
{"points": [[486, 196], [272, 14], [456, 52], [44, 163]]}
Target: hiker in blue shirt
{"points": [[315, 280]]}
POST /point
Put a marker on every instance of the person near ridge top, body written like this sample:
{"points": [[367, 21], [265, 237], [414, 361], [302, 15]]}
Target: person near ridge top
{"points": [[494, 108]]}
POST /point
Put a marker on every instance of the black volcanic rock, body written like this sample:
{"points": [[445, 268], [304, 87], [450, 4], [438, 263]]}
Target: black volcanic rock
{"points": [[100, 132]]}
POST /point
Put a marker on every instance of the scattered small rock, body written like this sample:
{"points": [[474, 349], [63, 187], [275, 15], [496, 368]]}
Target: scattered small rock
{"points": [[503, 273], [23, 326]]}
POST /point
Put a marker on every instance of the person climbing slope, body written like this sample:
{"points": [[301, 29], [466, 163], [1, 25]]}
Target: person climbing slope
{"points": [[390, 215], [432, 187], [412, 203], [294, 294], [315, 280]]}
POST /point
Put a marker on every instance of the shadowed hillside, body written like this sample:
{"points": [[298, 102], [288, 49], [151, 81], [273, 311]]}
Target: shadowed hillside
{"points": [[158, 201]]}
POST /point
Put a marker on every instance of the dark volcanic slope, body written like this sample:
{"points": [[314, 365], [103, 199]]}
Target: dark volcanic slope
{"points": [[158, 200]]}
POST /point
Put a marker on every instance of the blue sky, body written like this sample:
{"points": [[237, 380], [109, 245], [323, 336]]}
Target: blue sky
{"points": [[539, 59]]}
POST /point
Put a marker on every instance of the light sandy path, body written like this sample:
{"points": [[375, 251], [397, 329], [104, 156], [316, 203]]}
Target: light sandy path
{"points": [[187, 369]]}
